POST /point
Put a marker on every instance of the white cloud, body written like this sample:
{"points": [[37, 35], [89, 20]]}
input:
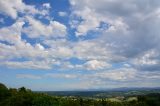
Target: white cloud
{"points": [[47, 5], [66, 76], [37, 29], [12, 34], [28, 64], [147, 58], [93, 14], [122, 77], [118, 74], [18, 47], [91, 49], [147, 61], [129, 25], [10, 8], [91, 65], [39, 46], [90, 21], [62, 13], [96, 65]]}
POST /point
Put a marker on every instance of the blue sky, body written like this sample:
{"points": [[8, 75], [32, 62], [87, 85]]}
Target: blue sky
{"points": [[79, 44]]}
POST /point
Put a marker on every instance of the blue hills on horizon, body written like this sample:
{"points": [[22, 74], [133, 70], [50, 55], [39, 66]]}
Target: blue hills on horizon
{"points": [[100, 93]]}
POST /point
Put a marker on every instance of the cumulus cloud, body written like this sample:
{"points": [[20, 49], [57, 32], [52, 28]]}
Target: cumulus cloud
{"points": [[12, 34], [28, 65], [90, 21], [120, 74], [132, 31], [15, 46], [37, 29], [92, 65], [121, 77], [147, 61], [12, 9], [120, 42], [47, 5]]}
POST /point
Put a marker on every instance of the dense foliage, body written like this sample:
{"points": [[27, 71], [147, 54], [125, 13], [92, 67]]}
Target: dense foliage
{"points": [[25, 97]]}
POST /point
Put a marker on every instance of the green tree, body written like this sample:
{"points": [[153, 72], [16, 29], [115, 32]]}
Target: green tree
{"points": [[4, 93], [22, 89]]}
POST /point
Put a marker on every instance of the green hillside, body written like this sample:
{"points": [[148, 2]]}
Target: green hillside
{"points": [[25, 97]]}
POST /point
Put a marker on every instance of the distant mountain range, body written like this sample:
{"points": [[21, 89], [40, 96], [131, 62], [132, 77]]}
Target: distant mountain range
{"points": [[124, 91]]}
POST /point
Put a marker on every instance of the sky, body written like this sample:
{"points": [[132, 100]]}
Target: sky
{"points": [[61, 45]]}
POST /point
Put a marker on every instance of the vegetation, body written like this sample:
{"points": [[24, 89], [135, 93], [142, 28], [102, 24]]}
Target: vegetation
{"points": [[25, 97]]}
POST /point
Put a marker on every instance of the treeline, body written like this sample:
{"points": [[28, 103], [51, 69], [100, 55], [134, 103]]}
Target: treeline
{"points": [[25, 97]]}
